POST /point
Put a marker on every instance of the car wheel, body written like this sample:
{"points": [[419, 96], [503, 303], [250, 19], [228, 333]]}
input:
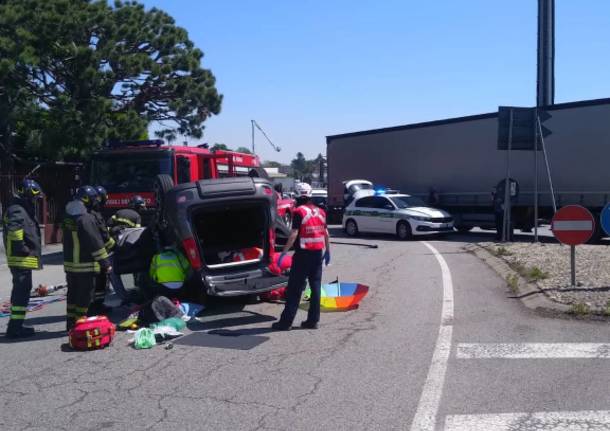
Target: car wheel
{"points": [[403, 230], [163, 184], [351, 228]]}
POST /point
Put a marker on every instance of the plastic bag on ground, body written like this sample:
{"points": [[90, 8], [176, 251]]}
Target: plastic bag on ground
{"points": [[173, 322], [144, 339]]}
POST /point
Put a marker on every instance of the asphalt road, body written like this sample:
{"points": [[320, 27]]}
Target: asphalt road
{"points": [[437, 344]]}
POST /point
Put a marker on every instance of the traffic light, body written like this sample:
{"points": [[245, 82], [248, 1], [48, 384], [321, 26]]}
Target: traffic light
{"points": [[524, 128]]}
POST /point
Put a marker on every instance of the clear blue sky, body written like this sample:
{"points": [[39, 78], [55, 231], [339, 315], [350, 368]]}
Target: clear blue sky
{"points": [[307, 69]]}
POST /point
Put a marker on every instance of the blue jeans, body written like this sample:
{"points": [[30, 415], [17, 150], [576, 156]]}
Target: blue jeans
{"points": [[306, 265]]}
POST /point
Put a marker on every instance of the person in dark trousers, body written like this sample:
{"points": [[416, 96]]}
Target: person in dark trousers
{"points": [[85, 255], [310, 238], [101, 280], [22, 243], [127, 217]]}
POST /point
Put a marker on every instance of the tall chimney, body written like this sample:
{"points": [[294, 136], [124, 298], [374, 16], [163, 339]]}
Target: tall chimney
{"points": [[545, 94]]}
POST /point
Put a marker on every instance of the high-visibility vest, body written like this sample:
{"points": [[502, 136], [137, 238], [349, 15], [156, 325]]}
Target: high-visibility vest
{"points": [[251, 253], [312, 232], [169, 268]]}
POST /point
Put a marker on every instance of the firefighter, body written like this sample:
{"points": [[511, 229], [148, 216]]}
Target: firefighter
{"points": [[85, 255], [127, 217], [22, 243], [309, 236], [101, 280]]}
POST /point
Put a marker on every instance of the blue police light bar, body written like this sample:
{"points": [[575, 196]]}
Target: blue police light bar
{"points": [[143, 143]]}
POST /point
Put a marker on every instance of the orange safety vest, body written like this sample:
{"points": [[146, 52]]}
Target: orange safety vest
{"points": [[312, 232]]}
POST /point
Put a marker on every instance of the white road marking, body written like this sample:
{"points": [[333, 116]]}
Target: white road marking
{"points": [[548, 421], [573, 225], [533, 351], [427, 408]]}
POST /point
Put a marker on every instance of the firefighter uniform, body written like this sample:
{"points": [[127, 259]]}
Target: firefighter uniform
{"points": [[124, 218], [310, 221], [101, 280], [85, 256], [22, 243]]}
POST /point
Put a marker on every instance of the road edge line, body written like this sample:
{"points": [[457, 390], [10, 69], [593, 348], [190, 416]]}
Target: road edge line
{"points": [[429, 401]]}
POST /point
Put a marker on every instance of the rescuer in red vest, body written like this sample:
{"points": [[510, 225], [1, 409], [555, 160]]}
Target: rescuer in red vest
{"points": [[310, 239]]}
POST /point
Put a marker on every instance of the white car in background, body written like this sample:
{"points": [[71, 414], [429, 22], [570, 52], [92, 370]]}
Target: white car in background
{"points": [[402, 215]]}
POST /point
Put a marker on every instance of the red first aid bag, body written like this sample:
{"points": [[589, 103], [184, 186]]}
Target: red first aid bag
{"points": [[91, 333]]}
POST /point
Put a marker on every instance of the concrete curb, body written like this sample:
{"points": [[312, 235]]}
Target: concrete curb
{"points": [[529, 293]]}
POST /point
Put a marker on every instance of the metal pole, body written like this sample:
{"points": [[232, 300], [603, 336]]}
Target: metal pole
{"points": [[546, 161], [252, 123], [506, 220], [573, 264], [536, 186]]}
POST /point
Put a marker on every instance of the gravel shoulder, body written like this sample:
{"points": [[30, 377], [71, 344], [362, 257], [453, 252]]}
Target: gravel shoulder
{"points": [[547, 267]]}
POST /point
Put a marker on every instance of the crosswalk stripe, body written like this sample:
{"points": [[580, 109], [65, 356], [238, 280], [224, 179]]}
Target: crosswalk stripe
{"points": [[548, 421], [533, 351]]}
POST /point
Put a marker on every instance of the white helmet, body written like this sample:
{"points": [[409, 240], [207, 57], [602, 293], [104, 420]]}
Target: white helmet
{"points": [[303, 190]]}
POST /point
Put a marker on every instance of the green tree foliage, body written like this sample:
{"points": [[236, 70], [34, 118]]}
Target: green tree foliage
{"points": [[74, 73], [218, 146], [243, 150], [271, 164], [299, 166]]}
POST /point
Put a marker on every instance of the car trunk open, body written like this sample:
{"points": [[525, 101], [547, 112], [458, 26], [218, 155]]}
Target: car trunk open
{"points": [[229, 234]]}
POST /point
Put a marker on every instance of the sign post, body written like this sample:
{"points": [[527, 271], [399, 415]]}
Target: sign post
{"points": [[604, 219], [573, 225]]}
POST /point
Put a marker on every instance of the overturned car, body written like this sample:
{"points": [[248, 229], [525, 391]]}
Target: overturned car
{"points": [[227, 228]]}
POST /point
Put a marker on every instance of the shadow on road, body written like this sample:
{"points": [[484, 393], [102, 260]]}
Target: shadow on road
{"points": [[45, 320], [40, 335]]}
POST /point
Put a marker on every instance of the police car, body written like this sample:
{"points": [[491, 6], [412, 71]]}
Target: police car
{"points": [[399, 214]]}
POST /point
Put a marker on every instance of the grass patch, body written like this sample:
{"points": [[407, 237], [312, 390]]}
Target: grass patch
{"points": [[501, 251], [534, 274], [512, 280], [580, 309]]}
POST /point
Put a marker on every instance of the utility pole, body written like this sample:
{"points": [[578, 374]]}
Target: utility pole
{"points": [[546, 53], [545, 85]]}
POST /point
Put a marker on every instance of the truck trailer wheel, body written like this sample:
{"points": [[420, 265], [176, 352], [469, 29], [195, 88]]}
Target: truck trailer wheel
{"points": [[163, 184], [403, 230], [351, 228]]}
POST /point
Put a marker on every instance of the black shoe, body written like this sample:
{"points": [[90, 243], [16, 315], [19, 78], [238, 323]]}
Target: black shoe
{"points": [[98, 309], [277, 326], [17, 330], [307, 325]]}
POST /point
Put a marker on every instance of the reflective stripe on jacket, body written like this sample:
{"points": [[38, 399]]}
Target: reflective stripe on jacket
{"points": [[21, 235], [84, 249], [312, 233]]}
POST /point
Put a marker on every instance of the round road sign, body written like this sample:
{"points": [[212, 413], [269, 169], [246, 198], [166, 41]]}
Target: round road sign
{"points": [[573, 225], [605, 219]]}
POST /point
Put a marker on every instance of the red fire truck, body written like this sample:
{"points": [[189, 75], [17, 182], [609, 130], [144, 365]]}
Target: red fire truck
{"points": [[129, 168]]}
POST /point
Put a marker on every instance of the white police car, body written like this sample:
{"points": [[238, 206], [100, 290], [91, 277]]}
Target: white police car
{"points": [[400, 214]]}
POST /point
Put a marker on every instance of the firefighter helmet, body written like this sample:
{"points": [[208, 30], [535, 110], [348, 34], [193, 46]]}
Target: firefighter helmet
{"points": [[87, 195], [102, 195], [137, 202], [29, 189]]}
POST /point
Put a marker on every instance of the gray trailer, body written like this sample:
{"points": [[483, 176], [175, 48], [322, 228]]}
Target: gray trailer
{"points": [[455, 164]]}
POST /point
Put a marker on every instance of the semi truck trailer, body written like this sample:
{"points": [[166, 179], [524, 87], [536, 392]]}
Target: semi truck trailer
{"points": [[455, 164]]}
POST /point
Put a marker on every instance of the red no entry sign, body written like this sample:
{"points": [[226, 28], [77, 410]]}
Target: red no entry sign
{"points": [[573, 225]]}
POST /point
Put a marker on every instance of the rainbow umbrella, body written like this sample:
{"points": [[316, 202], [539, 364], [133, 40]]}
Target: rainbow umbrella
{"points": [[340, 296]]}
